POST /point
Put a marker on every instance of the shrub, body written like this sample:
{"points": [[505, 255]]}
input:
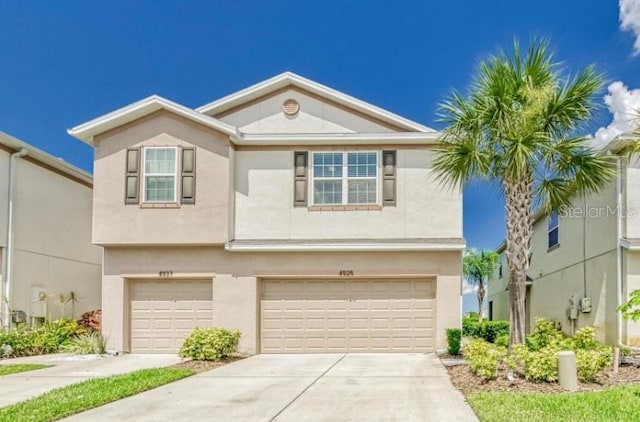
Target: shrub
{"points": [[590, 362], [453, 340], [487, 330], [48, 338], [91, 321], [502, 341], [484, 358], [86, 344], [210, 344], [544, 334]]}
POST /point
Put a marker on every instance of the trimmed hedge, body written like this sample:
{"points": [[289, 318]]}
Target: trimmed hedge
{"points": [[486, 330], [453, 340]]}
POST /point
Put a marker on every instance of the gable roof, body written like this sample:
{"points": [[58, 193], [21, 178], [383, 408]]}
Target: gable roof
{"points": [[144, 107], [45, 160], [291, 79]]}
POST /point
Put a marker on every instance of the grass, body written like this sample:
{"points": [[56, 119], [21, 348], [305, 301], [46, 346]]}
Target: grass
{"points": [[76, 398], [616, 404], [16, 368]]}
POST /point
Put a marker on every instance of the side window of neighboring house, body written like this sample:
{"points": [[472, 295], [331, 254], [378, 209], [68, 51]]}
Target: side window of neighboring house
{"points": [[160, 175], [500, 273], [553, 229]]}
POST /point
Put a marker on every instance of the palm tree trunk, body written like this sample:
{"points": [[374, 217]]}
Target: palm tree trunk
{"points": [[481, 292], [518, 200]]}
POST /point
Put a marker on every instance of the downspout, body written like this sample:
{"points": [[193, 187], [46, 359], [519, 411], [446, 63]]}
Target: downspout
{"points": [[8, 256]]}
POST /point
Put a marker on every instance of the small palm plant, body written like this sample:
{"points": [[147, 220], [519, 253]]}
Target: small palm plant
{"points": [[477, 267]]}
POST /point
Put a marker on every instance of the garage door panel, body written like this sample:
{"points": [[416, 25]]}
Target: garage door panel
{"points": [[347, 315], [163, 312]]}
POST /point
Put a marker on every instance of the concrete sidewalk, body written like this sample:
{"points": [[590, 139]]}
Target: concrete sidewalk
{"points": [[69, 369], [322, 387]]}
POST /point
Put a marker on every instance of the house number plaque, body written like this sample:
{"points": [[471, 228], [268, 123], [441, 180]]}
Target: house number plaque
{"points": [[165, 274], [345, 273]]}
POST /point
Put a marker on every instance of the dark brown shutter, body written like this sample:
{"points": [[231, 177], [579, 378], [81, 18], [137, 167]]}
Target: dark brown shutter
{"points": [[300, 159], [388, 178], [132, 177], [188, 195]]}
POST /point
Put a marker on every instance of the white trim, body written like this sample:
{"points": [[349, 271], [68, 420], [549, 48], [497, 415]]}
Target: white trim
{"points": [[144, 175], [290, 78], [46, 158], [385, 138], [344, 247], [86, 131]]}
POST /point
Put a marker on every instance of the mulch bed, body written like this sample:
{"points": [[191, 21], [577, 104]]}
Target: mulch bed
{"points": [[464, 380], [199, 366]]}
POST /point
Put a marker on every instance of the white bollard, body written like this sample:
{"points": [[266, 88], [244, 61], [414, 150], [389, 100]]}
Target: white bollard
{"points": [[567, 373]]}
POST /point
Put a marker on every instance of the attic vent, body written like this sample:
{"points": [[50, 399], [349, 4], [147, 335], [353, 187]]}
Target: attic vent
{"points": [[290, 107]]}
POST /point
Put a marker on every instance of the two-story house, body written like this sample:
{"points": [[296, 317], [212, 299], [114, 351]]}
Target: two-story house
{"points": [[303, 217], [50, 268], [585, 260]]}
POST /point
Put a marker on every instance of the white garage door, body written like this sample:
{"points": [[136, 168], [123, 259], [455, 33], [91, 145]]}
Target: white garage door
{"points": [[164, 311], [347, 315]]}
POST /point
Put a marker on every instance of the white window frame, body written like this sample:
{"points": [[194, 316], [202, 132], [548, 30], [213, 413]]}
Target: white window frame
{"points": [[550, 229], [345, 177], [174, 174]]}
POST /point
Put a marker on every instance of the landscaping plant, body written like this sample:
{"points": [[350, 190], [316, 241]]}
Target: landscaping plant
{"points": [[86, 344], [487, 330], [484, 358], [210, 344], [536, 360], [454, 335]]}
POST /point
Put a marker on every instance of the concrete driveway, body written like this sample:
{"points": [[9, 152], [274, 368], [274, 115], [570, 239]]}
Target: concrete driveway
{"points": [[69, 369], [321, 387]]}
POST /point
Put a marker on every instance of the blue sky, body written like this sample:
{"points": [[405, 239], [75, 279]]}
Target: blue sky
{"points": [[63, 63]]}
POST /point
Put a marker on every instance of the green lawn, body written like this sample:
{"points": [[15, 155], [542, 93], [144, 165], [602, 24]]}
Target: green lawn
{"points": [[616, 404], [15, 368], [85, 395]]}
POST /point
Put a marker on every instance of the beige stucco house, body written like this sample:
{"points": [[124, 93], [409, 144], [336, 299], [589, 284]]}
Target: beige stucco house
{"points": [[585, 260], [303, 217], [45, 236]]}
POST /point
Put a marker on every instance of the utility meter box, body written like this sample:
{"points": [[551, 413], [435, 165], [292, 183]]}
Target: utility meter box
{"points": [[585, 305], [572, 312]]}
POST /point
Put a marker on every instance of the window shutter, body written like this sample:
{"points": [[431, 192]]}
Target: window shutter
{"points": [[132, 177], [300, 159], [188, 177], [388, 178]]}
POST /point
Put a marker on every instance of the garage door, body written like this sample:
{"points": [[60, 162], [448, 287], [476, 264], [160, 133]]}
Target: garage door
{"points": [[300, 316], [164, 311]]}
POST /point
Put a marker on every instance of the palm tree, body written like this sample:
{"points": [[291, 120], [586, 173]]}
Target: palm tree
{"points": [[477, 267], [517, 127]]}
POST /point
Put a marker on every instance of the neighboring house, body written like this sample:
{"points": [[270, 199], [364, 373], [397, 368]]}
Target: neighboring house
{"points": [[45, 236], [301, 216], [585, 260]]}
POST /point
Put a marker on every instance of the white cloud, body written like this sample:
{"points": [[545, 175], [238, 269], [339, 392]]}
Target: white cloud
{"points": [[468, 288], [630, 20], [624, 105]]}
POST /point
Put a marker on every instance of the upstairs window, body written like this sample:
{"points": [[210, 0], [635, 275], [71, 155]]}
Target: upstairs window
{"points": [[552, 229], [345, 178], [160, 174]]}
